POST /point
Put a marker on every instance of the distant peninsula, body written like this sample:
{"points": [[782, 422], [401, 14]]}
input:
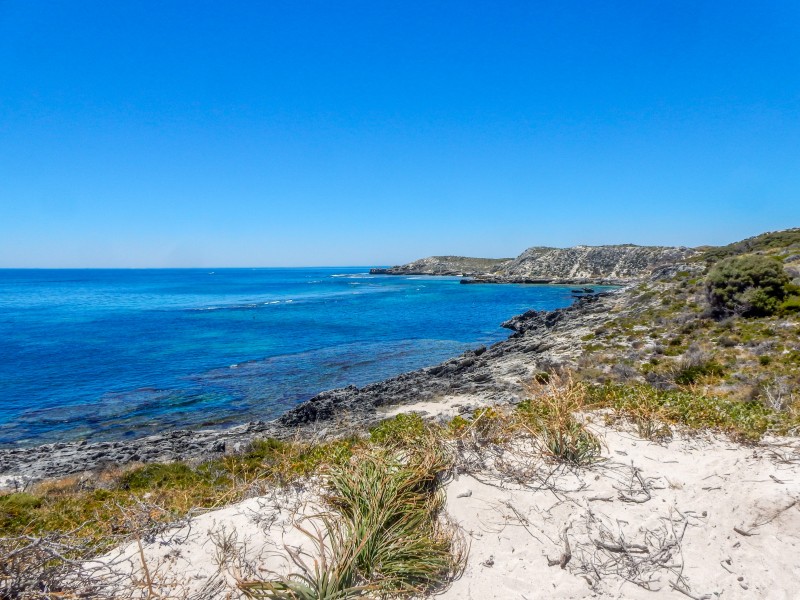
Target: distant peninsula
{"points": [[615, 264]]}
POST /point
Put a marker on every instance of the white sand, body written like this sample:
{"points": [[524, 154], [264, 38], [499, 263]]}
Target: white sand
{"points": [[445, 407], [709, 487], [698, 491]]}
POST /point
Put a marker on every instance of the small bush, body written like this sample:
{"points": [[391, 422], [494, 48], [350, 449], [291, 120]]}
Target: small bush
{"points": [[790, 306], [16, 508], [689, 374], [457, 426], [750, 285], [405, 428], [160, 475]]}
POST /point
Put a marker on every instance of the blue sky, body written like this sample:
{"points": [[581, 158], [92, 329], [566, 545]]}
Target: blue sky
{"points": [[150, 134]]}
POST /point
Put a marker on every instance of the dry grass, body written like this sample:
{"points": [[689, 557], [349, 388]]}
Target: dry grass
{"points": [[50, 529], [386, 484], [552, 415], [383, 536]]}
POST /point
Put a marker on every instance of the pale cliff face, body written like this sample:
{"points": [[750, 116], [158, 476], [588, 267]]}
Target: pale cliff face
{"points": [[591, 263], [594, 262]]}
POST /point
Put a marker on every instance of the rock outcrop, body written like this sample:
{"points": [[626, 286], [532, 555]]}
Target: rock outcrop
{"points": [[621, 263], [579, 264]]}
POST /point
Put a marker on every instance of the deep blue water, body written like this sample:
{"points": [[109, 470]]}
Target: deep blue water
{"points": [[108, 354]]}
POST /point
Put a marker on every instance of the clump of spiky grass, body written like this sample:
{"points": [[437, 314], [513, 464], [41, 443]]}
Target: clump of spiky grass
{"points": [[650, 427], [551, 415], [383, 534], [390, 504], [570, 442], [651, 419], [329, 575]]}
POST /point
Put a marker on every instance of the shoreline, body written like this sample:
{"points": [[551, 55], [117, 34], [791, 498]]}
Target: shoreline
{"points": [[469, 278], [490, 374]]}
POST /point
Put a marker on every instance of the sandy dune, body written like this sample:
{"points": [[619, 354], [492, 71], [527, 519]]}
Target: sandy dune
{"points": [[702, 514]]}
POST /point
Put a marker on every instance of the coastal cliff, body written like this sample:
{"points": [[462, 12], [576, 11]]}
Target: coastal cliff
{"points": [[580, 264]]}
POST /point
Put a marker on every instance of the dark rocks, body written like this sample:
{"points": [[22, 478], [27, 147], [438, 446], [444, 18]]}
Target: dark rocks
{"points": [[521, 322], [41, 462]]}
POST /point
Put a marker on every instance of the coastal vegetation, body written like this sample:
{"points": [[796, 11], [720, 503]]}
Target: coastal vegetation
{"points": [[382, 532], [382, 536], [710, 346], [751, 285]]}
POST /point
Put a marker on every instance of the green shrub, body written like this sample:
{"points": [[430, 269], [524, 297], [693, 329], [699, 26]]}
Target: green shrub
{"points": [[790, 305], [745, 421], [15, 509], [160, 475], [405, 428], [750, 285], [692, 373]]}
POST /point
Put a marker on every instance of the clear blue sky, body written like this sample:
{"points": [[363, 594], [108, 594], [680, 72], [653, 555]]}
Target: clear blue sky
{"points": [[167, 133]]}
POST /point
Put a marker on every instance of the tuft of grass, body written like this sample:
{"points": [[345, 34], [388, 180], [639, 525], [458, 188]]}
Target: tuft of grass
{"points": [[330, 576], [570, 442], [692, 373], [650, 427], [383, 536], [550, 414]]}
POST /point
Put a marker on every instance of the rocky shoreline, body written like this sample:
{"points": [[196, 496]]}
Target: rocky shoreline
{"points": [[530, 281], [540, 340]]}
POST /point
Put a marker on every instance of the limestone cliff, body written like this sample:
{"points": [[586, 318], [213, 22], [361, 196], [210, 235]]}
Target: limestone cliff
{"points": [[579, 264], [620, 263]]}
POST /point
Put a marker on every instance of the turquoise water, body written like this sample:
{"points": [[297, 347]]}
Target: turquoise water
{"points": [[110, 354]]}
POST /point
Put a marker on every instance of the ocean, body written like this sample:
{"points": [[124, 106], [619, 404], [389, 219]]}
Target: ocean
{"points": [[115, 354]]}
